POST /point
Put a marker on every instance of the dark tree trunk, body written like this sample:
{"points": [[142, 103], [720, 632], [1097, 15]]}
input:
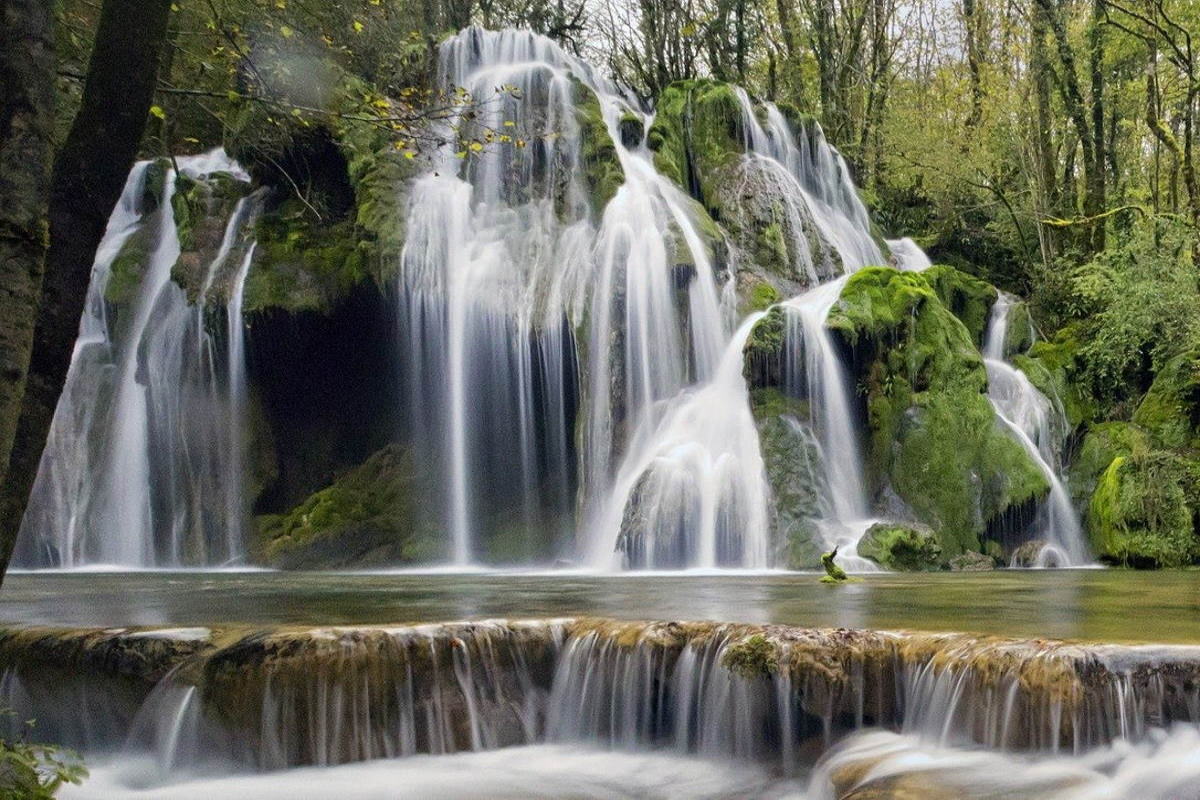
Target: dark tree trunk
{"points": [[89, 173], [26, 129]]}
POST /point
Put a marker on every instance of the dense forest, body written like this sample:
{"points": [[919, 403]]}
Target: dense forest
{"points": [[1045, 147]]}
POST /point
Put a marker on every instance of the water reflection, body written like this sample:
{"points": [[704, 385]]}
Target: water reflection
{"points": [[1108, 605]]}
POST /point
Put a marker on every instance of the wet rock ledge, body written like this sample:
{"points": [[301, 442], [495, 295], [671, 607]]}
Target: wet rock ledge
{"points": [[282, 697]]}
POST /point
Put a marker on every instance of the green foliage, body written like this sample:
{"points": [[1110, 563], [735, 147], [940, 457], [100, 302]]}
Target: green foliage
{"points": [[1135, 307], [36, 771], [901, 547], [1142, 513]]}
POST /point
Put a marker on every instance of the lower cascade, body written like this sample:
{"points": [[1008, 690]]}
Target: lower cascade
{"points": [[166, 705]]}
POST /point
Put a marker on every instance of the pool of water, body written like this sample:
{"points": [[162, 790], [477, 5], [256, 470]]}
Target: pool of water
{"points": [[1094, 605]]}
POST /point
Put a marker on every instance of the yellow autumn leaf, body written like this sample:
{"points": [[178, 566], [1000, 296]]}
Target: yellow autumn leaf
{"points": [[358, 26], [286, 32], [157, 111]]}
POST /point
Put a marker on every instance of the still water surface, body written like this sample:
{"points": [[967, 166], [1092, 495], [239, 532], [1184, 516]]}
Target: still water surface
{"points": [[1097, 605]]}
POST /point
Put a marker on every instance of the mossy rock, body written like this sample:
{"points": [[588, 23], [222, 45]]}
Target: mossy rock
{"points": [[602, 170], [1100, 446], [959, 469], [967, 297], [1170, 410], [764, 350], [753, 657], [791, 460], [1053, 367], [368, 516], [934, 437], [896, 546], [972, 561], [302, 266], [1143, 512], [697, 131]]}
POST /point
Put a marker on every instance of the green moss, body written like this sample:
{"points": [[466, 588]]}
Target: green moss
{"points": [[967, 297], [367, 516], [763, 296], [934, 437], [1052, 367], [833, 573], [763, 352], [1142, 513], [125, 273], [1170, 410], [602, 166], [753, 657], [959, 469], [1100, 446], [697, 132], [301, 266], [901, 547]]}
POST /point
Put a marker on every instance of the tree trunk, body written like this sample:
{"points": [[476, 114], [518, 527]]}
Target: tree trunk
{"points": [[26, 129], [89, 173]]}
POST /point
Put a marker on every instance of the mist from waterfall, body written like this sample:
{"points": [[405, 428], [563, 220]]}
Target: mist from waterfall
{"points": [[1039, 424], [144, 465]]}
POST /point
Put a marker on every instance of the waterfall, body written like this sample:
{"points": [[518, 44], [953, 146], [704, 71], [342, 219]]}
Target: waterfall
{"points": [[908, 256], [773, 695], [821, 378], [1039, 425], [692, 492], [144, 459]]}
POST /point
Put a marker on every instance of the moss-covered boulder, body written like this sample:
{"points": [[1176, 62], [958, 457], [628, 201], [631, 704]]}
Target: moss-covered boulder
{"points": [[1143, 512], [368, 516], [763, 353], [1100, 446], [1170, 410], [903, 547], [934, 438], [791, 460], [967, 297]]}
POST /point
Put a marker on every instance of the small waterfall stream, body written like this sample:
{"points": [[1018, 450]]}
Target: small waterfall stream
{"points": [[1039, 425], [143, 463]]}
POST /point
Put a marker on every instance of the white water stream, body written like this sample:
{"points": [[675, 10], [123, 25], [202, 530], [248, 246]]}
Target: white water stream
{"points": [[145, 459], [1040, 426]]}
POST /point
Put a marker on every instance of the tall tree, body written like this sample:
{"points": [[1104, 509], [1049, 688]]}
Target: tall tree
{"points": [[26, 129], [89, 172]]}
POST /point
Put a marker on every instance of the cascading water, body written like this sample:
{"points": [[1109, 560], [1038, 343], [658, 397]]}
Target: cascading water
{"points": [[514, 287], [821, 378], [179, 707], [1039, 425], [145, 454]]}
